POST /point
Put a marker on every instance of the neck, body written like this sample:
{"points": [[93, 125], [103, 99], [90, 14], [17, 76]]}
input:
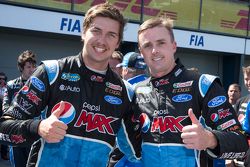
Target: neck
{"points": [[95, 65]]}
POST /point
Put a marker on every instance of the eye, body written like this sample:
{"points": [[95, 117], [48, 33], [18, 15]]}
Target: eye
{"points": [[112, 35]]}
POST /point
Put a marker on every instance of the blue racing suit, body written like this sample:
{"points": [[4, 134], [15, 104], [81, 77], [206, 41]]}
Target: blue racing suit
{"points": [[161, 106], [96, 107]]}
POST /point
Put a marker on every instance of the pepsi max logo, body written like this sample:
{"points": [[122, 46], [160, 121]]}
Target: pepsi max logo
{"points": [[214, 117], [113, 100], [25, 90], [38, 84], [145, 122], [68, 114], [182, 98], [216, 101]]}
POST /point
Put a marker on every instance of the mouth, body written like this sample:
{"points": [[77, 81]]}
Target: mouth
{"points": [[99, 49], [157, 58]]}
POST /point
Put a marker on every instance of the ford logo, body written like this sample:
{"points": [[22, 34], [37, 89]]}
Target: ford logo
{"points": [[217, 101], [38, 84], [182, 98], [113, 100]]}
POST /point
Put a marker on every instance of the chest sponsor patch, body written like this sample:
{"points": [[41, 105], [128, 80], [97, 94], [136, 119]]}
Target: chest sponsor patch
{"points": [[182, 98], [113, 100]]}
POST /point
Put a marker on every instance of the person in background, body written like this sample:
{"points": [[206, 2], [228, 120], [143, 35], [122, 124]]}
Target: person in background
{"points": [[181, 126], [234, 93], [3, 80], [116, 58], [134, 70], [241, 109], [84, 105], [26, 64]]}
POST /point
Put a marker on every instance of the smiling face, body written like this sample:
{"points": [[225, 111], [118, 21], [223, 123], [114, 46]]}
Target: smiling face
{"points": [[158, 50], [100, 41]]}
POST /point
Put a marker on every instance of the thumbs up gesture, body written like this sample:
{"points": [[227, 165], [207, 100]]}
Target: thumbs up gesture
{"points": [[52, 129], [195, 136]]}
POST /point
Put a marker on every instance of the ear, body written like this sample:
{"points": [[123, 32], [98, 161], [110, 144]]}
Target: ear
{"points": [[83, 35], [174, 46]]}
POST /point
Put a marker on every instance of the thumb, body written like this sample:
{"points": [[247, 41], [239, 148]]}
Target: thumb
{"points": [[59, 110], [192, 116]]}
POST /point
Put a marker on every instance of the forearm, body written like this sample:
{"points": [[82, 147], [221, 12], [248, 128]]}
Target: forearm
{"points": [[18, 132]]}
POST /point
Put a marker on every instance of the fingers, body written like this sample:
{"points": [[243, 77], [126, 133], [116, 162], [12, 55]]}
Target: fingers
{"points": [[59, 110], [192, 117]]}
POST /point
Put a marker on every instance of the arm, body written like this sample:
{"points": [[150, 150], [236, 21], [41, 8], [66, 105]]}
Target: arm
{"points": [[17, 125]]}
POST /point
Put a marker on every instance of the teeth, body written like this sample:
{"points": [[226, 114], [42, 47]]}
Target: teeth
{"points": [[99, 49], [157, 59]]}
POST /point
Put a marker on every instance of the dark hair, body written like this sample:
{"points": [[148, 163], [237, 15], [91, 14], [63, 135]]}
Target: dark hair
{"points": [[26, 56], [235, 85], [3, 74], [117, 55], [104, 10]]}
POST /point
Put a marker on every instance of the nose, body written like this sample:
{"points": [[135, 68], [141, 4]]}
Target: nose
{"points": [[154, 51]]}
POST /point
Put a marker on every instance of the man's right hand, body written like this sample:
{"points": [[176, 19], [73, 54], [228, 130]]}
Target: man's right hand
{"points": [[52, 130]]}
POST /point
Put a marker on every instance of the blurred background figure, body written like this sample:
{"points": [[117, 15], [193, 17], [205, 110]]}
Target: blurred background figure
{"points": [[116, 58], [234, 93], [134, 69], [26, 64], [3, 80]]}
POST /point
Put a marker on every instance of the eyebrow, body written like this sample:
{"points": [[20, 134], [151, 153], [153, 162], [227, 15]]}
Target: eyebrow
{"points": [[98, 28]]}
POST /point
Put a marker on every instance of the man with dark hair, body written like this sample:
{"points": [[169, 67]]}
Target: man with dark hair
{"points": [[234, 93], [82, 102], [26, 64]]}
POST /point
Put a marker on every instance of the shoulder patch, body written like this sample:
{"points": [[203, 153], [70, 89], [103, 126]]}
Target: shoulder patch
{"points": [[204, 83], [52, 69]]}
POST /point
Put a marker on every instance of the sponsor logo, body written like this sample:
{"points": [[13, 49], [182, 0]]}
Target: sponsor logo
{"points": [[217, 101], [5, 137], [98, 122], [68, 114], [113, 86], [25, 89], [178, 72], [182, 98], [181, 90], [226, 124], [38, 84], [145, 122], [168, 123], [113, 100], [91, 107], [143, 100], [69, 88], [96, 78], [183, 84], [221, 114], [144, 90], [16, 113], [70, 77], [24, 105], [112, 91], [160, 112], [232, 155], [17, 139], [161, 82], [31, 95]]}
